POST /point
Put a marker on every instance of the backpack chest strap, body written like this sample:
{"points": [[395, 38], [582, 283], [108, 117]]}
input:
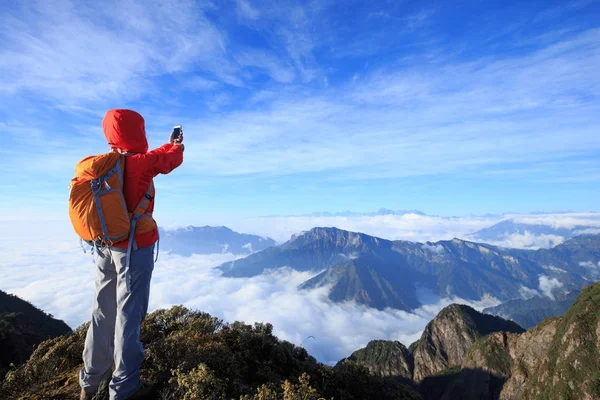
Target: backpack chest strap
{"points": [[142, 207]]}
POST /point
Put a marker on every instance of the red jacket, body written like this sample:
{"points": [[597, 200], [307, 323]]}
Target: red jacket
{"points": [[125, 131]]}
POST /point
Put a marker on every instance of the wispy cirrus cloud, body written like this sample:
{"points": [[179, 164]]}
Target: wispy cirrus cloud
{"points": [[87, 52], [419, 121], [246, 10]]}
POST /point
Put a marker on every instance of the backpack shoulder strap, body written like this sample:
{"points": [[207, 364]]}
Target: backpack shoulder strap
{"points": [[139, 211]]}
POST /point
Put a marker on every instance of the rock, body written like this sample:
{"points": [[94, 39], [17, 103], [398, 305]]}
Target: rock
{"points": [[447, 339], [385, 358], [561, 357]]}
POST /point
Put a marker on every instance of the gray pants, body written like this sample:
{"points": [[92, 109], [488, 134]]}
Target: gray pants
{"points": [[114, 332]]}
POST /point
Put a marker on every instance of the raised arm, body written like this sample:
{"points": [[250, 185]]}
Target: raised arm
{"points": [[165, 158]]}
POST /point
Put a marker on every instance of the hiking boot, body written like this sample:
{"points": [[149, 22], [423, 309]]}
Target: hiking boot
{"points": [[145, 391], [86, 396]]}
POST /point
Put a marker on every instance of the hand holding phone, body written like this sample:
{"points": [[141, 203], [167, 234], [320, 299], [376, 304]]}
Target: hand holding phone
{"points": [[177, 135]]}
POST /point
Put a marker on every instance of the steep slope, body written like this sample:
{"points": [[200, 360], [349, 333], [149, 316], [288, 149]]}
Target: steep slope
{"points": [[557, 359], [384, 358], [530, 312], [211, 240], [471, 270], [192, 355], [370, 281], [22, 327], [571, 366], [447, 339]]}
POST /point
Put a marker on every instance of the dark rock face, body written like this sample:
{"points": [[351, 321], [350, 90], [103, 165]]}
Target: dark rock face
{"points": [[557, 359], [570, 367], [211, 240], [22, 328], [385, 358], [462, 354], [447, 339]]}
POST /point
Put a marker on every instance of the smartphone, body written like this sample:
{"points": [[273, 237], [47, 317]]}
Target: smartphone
{"points": [[176, 132]]}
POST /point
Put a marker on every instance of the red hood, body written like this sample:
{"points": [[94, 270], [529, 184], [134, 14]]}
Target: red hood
{"points": [[124, 129]]}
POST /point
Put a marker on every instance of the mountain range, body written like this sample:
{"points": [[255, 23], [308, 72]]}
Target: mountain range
{"points": [[382, 273], [211, 240]]}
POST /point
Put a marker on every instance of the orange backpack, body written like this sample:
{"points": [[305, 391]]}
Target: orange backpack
{"points": [[96, 203]]}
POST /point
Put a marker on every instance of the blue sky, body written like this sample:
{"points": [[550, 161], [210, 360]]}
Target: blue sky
{"points": [[450, 107]]}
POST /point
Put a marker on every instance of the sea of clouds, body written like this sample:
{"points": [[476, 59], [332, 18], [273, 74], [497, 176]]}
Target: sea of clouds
{"points": [[47, 267]]}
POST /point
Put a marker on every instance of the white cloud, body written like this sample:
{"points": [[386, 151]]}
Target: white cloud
{"points": [[274, 66], [548, 285], [529, 240], [562, 220], [406, 123], [528, 293], [437, 248], [246, 10], [592, 267], [87, 52]]}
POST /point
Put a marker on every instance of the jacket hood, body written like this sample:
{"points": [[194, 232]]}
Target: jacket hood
{"points": [[124, 129]]}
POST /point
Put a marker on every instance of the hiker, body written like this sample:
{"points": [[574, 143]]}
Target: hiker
{"points": [[122, 279]]}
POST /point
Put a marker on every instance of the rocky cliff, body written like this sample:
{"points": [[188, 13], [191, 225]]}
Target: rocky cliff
{"points": [[557, 359], [447, 339]]}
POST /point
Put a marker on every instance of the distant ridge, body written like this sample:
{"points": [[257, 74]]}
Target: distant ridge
{"points": [[211, 240]]}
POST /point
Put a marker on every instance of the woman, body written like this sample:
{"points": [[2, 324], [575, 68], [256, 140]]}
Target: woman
{"points": [[123, 288]]}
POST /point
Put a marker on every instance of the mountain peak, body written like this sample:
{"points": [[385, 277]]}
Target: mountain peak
{"points": [[336, 235]]}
